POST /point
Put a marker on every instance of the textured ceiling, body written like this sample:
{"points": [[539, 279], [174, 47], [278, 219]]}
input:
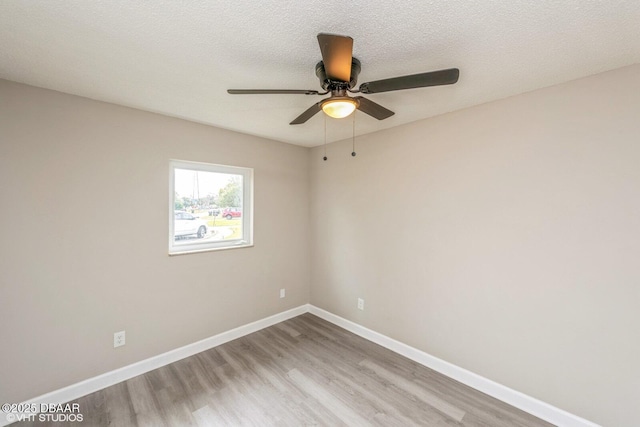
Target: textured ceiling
{"points": [[179, 57]]}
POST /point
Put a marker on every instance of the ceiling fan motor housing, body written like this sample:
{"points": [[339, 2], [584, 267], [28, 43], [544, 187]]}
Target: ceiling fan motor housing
{"points": [[330, 85]]}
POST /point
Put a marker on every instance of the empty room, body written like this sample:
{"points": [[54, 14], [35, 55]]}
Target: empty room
{"points": [[320, 213]]}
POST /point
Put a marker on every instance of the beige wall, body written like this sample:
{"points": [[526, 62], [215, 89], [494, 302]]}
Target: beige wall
{"points": [[83, 251], [504, 238]]}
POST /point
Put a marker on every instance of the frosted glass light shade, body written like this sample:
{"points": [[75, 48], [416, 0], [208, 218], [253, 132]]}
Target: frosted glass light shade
{"points": [[339, 108]]}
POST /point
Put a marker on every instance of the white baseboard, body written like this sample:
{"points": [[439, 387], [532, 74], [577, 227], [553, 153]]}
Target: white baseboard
{"points": [[514, 398], [94, 384]]}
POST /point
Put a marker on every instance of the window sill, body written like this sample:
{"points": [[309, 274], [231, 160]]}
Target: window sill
{"points": [[197, 251]]}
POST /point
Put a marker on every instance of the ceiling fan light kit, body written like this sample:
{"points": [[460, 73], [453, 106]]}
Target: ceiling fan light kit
{"points": [[338, 74], [339, 107]]}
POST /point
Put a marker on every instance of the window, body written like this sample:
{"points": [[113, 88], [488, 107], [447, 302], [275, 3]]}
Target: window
{"points": [[210, 207]]}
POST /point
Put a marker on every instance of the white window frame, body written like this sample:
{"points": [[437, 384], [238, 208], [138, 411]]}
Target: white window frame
{"points": [[247, 208]]}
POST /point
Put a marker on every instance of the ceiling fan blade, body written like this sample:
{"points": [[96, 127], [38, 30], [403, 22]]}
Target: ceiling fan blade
{"points": [[336, 56], [432, 78], [373, 109], [271, 91], [311, 111]]}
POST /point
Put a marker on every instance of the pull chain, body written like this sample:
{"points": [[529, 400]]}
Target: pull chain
{"points": [[353, 139], [325, 138]]}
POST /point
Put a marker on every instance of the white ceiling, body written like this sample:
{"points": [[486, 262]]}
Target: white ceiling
{"points": [[179, 57]]}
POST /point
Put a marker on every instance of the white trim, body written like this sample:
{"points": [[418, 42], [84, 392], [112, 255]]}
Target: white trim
{"points": [[512, 397], [107, 379]]}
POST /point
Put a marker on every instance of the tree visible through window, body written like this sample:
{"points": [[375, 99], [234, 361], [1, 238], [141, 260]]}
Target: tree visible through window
{"points": [[210, 207]]}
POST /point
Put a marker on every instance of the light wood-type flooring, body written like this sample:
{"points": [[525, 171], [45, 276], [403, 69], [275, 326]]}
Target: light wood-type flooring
{"points": [[304, 371]]}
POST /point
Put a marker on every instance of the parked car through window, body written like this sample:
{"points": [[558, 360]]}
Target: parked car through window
{"points": [[186, 224]]}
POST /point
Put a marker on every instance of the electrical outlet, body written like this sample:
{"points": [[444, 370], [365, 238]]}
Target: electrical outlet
{"points": [[360, 304], [118, 339], [283, 293]]}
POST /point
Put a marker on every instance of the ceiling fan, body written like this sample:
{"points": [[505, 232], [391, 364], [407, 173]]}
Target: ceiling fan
{"points": [[338, 73]]}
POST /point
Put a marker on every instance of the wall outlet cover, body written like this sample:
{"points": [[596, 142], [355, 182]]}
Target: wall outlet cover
{"points": [[119, 339]]}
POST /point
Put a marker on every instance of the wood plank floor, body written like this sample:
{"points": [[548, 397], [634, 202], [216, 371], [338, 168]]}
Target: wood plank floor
{"points": [[304, 371]]}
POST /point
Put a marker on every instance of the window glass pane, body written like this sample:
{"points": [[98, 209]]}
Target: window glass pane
{"points": [[209, 207]]}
